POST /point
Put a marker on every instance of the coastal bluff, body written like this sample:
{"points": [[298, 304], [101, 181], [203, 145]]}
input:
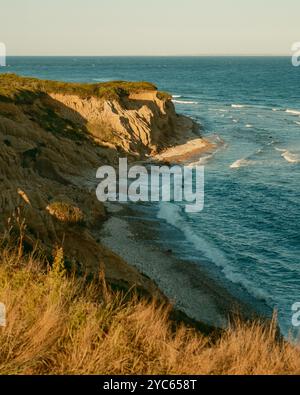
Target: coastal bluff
{"points": [[53, 137]]}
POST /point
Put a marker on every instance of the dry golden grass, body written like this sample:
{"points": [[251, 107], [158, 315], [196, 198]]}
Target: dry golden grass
{"points": [[61, 324]]}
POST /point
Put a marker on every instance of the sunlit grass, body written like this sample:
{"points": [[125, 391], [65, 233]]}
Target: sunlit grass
{"points": [[58, 323], [24, 89]]}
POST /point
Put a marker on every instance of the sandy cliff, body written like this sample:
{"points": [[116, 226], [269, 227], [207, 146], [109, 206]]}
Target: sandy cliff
{"points": [[51, 136], [140, 124]]}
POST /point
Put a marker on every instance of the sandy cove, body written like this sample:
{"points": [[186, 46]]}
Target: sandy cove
{"points": [[188, 152], [187, 144]]}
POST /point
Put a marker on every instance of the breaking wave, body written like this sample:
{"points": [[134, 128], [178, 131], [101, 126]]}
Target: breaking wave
{"points": [[289, 156], [242, 163], [172, 215], [293, 112], [184, 102], [237, 105]]}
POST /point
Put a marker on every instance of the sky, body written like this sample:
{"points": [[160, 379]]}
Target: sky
{"points": [[152, 27]]}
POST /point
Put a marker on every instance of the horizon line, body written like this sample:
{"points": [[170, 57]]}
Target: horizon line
{"points": [[153, 56]]}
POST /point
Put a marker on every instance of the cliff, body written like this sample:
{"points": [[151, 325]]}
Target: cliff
{"points": [[133, 118], [53, 135]]}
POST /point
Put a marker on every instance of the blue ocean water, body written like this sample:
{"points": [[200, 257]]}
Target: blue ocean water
{"points": [[248, 233]]}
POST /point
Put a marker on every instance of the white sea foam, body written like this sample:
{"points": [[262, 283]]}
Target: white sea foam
{"points": [[172, 215], [289, 156], [242, 163], [176, 96], [184, 102], [249, 125], [297, 123], [293, 112], [237, 105], [202, 160]]}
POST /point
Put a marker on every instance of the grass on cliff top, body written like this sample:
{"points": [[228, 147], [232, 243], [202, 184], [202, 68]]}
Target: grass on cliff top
{"points": [[17, 88], [58, 323]]}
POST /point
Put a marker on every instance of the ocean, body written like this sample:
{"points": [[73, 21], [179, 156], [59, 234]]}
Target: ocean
{"points": [[247, 237]]}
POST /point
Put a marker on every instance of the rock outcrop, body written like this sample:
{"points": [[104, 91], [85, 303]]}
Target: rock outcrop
{"points": [[140, 124]]}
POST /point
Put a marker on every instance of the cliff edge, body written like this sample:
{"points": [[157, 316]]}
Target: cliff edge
{"points": [[52, 134]]}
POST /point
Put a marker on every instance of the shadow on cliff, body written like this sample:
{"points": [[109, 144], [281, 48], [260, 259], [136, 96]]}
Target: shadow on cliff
{"points": [[47, 116]]}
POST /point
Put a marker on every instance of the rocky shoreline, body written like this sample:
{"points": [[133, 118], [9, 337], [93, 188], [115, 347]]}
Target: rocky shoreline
{"points": [[198, 296]]}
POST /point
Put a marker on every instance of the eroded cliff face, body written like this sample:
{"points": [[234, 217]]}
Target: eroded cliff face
{"points": [[50, 143], [140, 124]]}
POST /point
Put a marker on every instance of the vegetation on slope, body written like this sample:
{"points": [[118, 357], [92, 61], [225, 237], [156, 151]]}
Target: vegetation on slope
{"points": [[58, 323], [23, 89]]}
